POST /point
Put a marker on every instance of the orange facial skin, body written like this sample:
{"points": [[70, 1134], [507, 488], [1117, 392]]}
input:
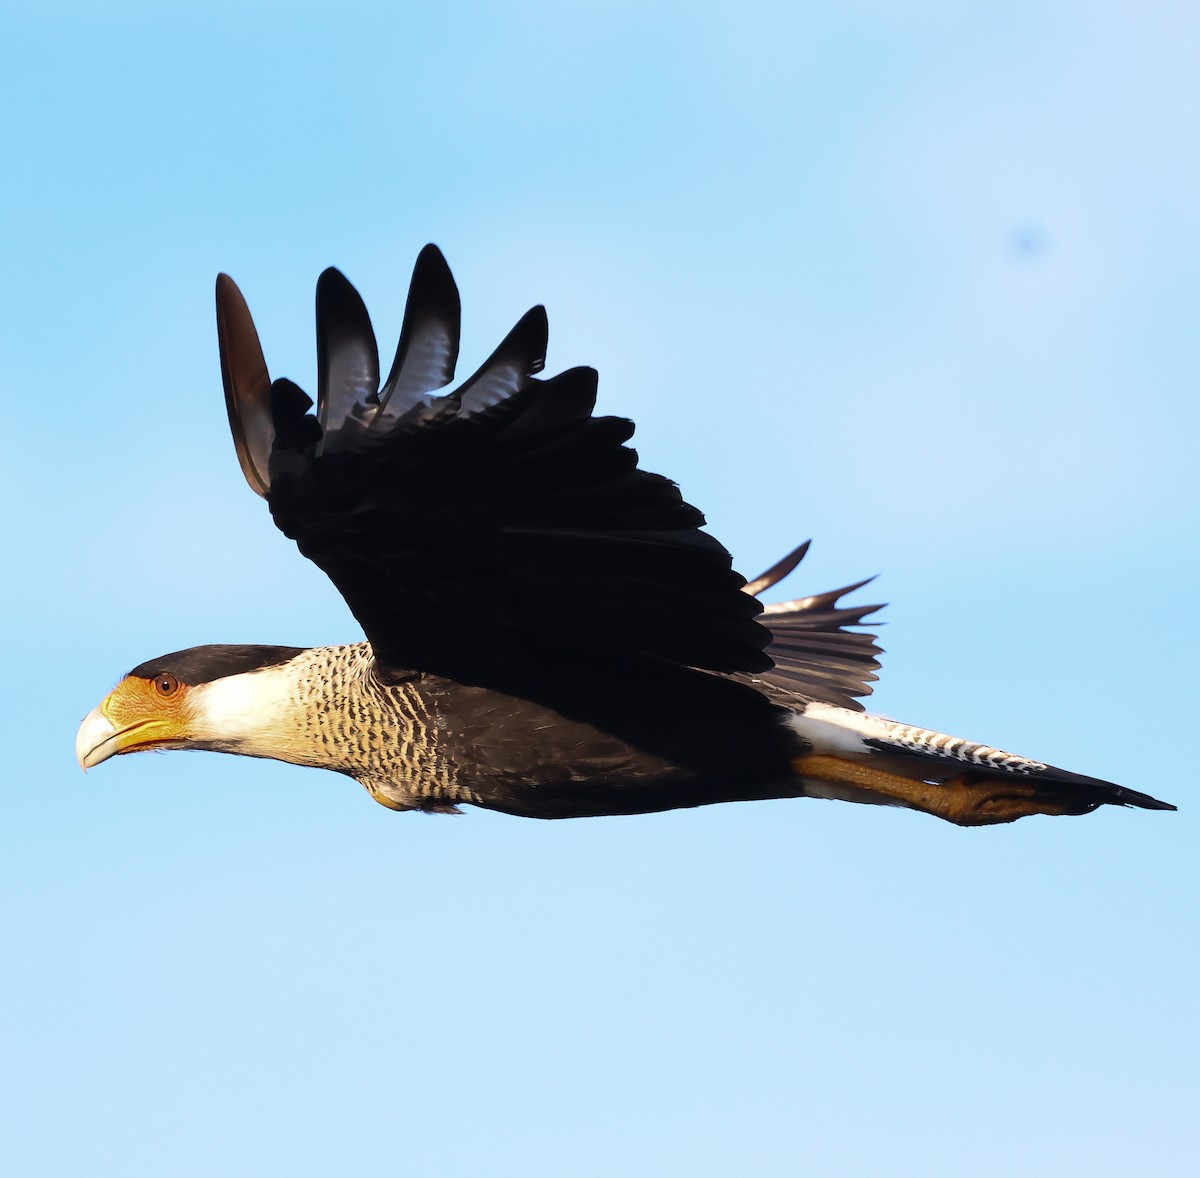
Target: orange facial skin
{"points": [[147, 713]]}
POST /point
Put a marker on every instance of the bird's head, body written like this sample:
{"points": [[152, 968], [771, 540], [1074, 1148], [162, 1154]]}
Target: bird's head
{"points": [[193, 698]]}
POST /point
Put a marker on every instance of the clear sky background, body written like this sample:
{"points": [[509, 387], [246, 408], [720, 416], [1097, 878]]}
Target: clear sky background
{"points": [[918, 280]]}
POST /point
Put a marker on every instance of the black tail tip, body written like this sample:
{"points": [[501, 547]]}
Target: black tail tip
{"points": [[1148, 803], [1131, 797]]}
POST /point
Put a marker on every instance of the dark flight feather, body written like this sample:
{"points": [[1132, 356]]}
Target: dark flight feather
{"points": [[247, 385], [521, 354], [779, 570], [428, 350], [347, 363]]}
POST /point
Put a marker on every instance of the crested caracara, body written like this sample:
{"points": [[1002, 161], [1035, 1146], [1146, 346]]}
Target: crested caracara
{"points": [[549, 631]]}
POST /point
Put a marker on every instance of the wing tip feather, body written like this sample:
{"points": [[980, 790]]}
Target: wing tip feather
{"points": [[247, 384]]}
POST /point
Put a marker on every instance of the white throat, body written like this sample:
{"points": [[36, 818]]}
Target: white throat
{"points": [[252, 713]]}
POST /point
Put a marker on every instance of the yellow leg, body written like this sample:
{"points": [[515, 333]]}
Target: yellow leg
{"points": [[966, 800]]}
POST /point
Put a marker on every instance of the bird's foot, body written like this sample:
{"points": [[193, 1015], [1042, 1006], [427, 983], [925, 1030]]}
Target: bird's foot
{"points": [[966, 800], [969, 800]]}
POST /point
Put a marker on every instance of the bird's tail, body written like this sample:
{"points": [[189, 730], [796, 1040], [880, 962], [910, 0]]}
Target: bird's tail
{"points": [[862, 757]]}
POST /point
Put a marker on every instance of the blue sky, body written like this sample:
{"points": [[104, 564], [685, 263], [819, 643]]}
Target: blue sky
{"points": [[915, 279]]}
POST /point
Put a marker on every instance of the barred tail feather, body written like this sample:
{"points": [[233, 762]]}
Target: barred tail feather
{"points": [[922, 754]]}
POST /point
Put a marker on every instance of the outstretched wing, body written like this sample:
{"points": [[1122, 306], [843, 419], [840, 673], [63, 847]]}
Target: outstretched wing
{"points": [[501, 522]]}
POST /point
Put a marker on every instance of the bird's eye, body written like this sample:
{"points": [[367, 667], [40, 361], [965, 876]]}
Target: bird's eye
{"points": [[166, 685]]}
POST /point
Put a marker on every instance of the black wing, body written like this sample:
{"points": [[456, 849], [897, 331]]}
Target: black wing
{"points": [[500, 523]]}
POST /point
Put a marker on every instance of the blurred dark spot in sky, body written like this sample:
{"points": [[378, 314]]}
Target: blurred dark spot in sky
{"points": [[1029, 240]]}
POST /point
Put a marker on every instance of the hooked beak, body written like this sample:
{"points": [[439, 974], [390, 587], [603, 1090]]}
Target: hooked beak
{"points": [[97, 740]]}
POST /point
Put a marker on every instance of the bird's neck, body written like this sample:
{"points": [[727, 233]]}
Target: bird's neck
{"points": [[299, 711]]}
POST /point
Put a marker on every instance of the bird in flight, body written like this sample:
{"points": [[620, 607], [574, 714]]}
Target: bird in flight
{"points": [[550, 632]]}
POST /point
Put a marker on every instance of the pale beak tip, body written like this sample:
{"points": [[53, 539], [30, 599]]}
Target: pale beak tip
{"points": [[95, 733]]}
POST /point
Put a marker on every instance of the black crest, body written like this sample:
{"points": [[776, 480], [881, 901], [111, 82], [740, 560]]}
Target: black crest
{"points": [[203, 664]]}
